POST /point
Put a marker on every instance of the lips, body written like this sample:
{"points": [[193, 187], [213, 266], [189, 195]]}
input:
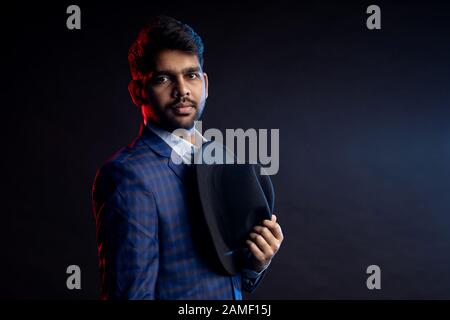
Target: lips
{"points": [[183, 109]]}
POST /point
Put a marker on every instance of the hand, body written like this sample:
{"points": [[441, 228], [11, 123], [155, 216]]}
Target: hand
{"points": [[264, 242]]}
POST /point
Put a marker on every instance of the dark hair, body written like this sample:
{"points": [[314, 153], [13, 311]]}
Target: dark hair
{"points": [[160, 33]]}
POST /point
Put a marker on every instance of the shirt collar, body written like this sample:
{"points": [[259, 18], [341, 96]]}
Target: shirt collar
{"points": [[181, 146]]}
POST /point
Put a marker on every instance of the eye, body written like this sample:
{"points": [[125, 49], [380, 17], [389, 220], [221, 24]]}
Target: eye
{"points": [[161, 79], [193, 75]]}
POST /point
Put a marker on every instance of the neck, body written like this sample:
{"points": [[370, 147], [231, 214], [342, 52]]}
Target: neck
{"points": [[189, 136]]}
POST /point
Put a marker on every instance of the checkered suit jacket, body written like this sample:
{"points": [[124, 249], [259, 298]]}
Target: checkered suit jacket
{"points": [[152, 239]]}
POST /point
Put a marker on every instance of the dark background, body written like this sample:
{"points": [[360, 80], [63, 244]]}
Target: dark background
{"points": [[364, 125]]}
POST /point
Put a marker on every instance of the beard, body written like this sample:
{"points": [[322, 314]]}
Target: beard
{"points": [[169, 120]]}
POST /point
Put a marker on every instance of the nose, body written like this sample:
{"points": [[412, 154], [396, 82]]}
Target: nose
{"points": [[181, 89]]}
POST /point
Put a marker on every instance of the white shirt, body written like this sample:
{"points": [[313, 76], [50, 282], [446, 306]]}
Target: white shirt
{"points": [[179, 145]]}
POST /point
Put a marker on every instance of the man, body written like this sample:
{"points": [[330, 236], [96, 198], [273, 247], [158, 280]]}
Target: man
{"points": [[152, 241]]}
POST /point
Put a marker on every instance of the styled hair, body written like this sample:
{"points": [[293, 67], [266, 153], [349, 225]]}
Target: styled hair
{"points": [[162, 33]]}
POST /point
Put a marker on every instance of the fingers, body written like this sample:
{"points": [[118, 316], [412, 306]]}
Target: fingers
{"points": [[262, 243], [262, 259], [274, 227], [254, 249], [267, 236], [265, 240], [270, 231]]}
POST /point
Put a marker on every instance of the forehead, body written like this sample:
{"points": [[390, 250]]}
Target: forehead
{"points": [[175, 60]]}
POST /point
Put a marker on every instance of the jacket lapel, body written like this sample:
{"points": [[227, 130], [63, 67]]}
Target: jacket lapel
{"points": [[158, 145]]}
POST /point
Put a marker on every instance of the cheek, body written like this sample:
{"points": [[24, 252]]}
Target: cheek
{"points": [[159, 96], [200, 93]]}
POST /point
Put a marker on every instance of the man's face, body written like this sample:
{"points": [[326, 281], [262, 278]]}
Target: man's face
{"points": [[176, 91]]}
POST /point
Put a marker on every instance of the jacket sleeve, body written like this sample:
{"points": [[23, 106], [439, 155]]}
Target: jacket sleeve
{"points": [[127, 234], [250, 279]]}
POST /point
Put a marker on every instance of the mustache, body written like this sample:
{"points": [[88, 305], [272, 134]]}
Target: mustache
{"points": [[183, 100]]}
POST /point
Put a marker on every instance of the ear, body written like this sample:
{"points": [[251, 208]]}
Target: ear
{"points": [[205, 76], [135, 90]]}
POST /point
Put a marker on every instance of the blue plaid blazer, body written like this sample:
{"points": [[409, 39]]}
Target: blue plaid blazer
{"points": [[152, 241]]}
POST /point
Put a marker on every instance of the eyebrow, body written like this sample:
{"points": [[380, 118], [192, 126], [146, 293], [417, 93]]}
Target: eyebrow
{"points": [[183, 71]]}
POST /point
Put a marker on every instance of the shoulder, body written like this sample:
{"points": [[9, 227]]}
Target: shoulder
{"points": [[124, 169]]}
